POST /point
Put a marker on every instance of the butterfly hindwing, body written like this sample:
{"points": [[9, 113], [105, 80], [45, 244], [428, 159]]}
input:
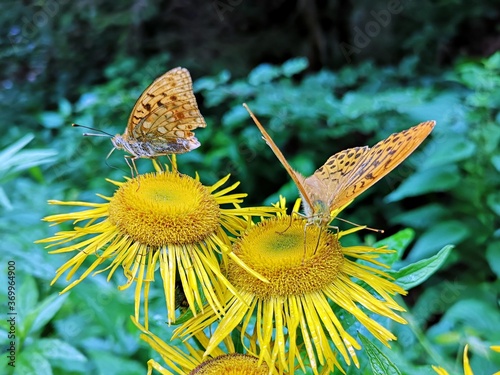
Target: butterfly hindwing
{"points": [[326, 181]]}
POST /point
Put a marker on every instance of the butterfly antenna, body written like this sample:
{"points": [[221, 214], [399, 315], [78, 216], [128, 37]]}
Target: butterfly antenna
{"points": [[267, 137], [358, 225], [109, 165], [101, 133]]}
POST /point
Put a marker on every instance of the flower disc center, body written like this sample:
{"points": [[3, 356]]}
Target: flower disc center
{"points": [[232, 364], [295, 258], [158, 209]]}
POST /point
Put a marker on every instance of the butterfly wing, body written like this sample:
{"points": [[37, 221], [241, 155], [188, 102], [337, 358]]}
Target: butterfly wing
{"points": [[296, 176], [328, 178], [349, 173], [166, 110]]}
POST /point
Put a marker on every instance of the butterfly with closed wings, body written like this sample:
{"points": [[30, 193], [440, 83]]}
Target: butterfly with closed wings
{"points": [[162, 119], [348, 173]]}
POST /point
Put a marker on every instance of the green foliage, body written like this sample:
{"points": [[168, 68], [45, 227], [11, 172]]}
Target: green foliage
{"points": [[416, 273], [380, 364]]}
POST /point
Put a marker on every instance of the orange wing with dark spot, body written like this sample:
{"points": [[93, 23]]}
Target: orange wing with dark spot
{"points": [[349, 173], [166, 110]]}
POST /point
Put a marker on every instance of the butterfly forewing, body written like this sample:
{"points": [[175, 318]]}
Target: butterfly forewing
{"points": [[296, 176], [372, 165], [166, 109]]}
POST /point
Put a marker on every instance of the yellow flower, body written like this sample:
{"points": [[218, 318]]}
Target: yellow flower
{"points": [[308, 272], [164, 218], [223, 360], [467, 368]]}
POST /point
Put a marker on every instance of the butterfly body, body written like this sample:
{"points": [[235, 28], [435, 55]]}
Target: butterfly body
{"points": [[317, 214], [152, 149], [163, 118], [348, 173]]}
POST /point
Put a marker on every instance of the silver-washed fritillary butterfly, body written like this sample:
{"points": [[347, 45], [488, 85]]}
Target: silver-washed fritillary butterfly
{"points": [[163, 118], [348, 173]]}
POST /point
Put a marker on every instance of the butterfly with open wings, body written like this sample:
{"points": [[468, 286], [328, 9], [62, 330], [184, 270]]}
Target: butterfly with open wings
{"points": [[348, 173]]}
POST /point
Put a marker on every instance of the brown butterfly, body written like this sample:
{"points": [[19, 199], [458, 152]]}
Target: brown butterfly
{"points": [[162, 119], [348, 173]]}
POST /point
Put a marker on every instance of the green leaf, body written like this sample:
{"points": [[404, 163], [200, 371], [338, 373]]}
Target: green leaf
{"points": [[493, 201], [421, 217], [493, 256], [108, 363], [29, 158], [4, 200], [495, 160], [58, 349], [355, 104], [184, 317], [16, 160], [65, 107], [212, 82], [437, 179], [235, 116], [493, 62], [51, 120], [46, 310], [11, 150], [474, 315], [451, 150], [27, 299], [398, 242], [379, 362], [32, 363], [294, 66], [437, 236], [415, 274], [86, 101], [263, 73]]}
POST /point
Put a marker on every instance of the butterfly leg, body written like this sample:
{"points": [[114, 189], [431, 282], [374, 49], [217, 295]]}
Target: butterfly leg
{"points": [[359, 226], [305, 239], [291, 220], [305, 242], [171, 160], [288, 227], [337, 229], [133, 169], [131, 164], [319, 238], [164, 167]]}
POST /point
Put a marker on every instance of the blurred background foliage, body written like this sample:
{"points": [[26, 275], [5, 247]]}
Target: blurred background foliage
{"points": [[322, 77]]}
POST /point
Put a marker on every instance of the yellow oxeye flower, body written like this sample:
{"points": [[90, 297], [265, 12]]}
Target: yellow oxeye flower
{"points": [[163, 220], [313, 280]]}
